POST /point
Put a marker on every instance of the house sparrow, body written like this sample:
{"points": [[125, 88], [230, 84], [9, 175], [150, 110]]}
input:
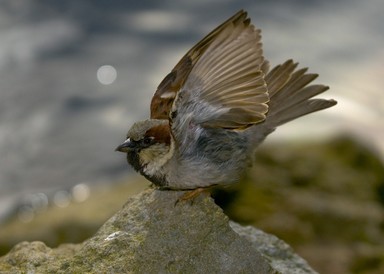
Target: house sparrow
{"points": [[215, 107]]}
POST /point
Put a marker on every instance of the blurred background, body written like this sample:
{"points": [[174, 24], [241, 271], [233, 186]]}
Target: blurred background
{"points": [[74, 75]]}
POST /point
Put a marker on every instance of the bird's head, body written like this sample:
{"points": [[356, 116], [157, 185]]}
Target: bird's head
{"points": [[147, 145]]}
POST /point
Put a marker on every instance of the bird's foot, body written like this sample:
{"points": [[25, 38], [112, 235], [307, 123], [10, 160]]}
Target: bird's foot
{"points": [[191, 195]]}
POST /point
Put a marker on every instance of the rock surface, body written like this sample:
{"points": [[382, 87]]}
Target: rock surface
{"points": [[151, 234]]}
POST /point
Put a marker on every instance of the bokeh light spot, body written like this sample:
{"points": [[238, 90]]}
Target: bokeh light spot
{"points": [[26, 214], [106, 74], [62, 198], [80, 192]]}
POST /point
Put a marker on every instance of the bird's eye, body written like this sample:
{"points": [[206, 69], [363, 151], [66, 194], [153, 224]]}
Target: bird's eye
{"points": [[147, 140]]}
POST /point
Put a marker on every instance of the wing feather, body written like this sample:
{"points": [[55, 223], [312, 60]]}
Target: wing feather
{"points": [[226, 85], [167, 90]]}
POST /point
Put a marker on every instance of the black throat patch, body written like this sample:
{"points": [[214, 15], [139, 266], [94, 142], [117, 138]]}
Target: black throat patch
{"points": [[134, 160]]}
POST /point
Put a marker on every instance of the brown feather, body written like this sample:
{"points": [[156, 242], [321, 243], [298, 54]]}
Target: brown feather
{"points": [[161, 133], [229, 79], [290, 94], [167, 90]]}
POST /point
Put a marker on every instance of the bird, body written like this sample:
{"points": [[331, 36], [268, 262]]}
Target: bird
{"points": [[215, 107]]}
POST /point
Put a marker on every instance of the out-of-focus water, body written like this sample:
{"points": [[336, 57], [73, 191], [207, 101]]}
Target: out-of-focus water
{"points": [[62, 113]]}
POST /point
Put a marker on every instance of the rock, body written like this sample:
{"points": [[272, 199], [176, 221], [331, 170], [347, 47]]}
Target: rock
{"points": [[151, 234], [36, 257], [280, 255]]}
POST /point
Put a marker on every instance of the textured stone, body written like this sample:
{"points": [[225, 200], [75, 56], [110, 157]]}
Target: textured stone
{"points": [[152, 234], [280, 255]]}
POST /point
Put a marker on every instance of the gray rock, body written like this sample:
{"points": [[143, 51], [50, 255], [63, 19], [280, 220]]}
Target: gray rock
{"points": [[151, 234], [279, 255]]}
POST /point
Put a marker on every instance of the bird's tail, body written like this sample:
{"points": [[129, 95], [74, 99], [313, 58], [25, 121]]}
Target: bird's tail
{"points": [[290, 97]]}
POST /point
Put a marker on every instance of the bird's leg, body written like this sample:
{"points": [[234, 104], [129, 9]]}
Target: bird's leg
{"points": [[190, 195]]}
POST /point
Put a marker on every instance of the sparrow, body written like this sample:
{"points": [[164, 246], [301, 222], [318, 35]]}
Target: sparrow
{"points": [[215, 107]]}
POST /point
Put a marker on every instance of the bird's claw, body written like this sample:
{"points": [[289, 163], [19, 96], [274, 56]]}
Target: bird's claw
{"points": [[190, 195]]}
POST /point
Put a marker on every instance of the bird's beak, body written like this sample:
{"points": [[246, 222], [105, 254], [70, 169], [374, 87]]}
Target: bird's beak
{"points": [[126, 146]]}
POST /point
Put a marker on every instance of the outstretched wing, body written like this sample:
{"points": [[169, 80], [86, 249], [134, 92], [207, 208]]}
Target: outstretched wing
{"points": [[225, 87], [221, 68]]}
